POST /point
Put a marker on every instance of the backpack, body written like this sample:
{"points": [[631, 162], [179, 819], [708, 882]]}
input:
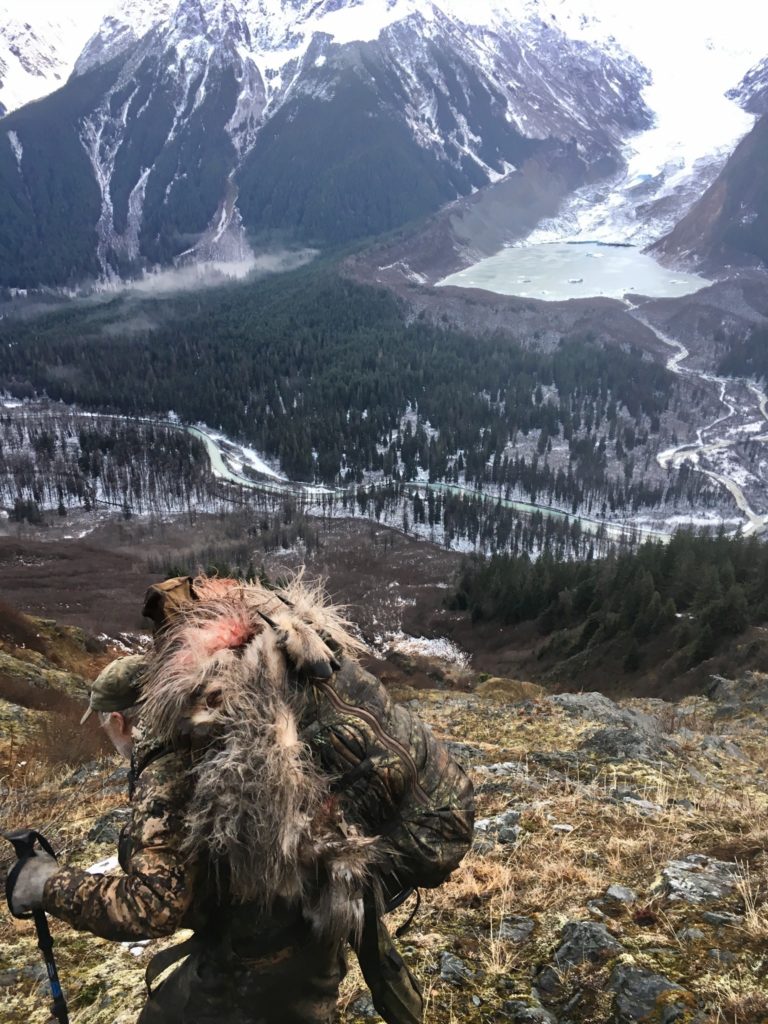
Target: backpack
{"points": [[394, 777]]}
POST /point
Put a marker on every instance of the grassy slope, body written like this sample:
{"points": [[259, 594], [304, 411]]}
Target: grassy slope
{"points": [[708, 804]]}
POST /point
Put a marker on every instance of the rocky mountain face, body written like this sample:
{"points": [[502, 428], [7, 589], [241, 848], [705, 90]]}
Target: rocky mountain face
{"points": [[729, 225], [752, 91], [192, 126]]}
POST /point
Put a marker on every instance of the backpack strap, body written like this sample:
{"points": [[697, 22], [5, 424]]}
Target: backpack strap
{"points": [[138, 766], [384, 738], [398, 902], [395, 992]]}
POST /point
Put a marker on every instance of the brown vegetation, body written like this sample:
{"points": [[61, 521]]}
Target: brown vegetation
{"points": [[715, 807]]}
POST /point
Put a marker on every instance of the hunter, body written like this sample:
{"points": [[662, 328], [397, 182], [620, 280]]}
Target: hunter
{"points": [[281, 804]]}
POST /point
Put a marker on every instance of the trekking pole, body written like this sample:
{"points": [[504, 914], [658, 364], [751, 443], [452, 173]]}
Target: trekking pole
{"points": [[23, 843]]}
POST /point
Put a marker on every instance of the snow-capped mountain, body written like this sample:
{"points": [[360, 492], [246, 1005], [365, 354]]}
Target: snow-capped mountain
{"points": [[191, 126], [727, 224], [696, 54], [38, 49], [122, 25]]}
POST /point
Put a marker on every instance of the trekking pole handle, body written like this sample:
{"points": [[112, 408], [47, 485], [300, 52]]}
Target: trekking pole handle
{"points": [[23, 842]]}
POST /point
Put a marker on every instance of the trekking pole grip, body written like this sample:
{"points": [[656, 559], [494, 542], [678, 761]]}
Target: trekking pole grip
{"points": [[23, 842]]}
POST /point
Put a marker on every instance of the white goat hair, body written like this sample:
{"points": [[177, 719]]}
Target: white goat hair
{"points": [[223, 680]]}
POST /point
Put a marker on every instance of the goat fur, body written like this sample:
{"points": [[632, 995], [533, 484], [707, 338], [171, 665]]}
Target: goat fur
{"points": [[225, 678]]}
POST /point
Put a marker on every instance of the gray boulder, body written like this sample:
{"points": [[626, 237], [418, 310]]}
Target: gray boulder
{"points": [[364, 1007], [17, 975], [622, 742], [721, 956], [586, 941], [722, 919], [598, 708], [717, 746], [620, 894], [643, 997], [644, 807], [454, 970], [734, 696], [582, 942], [465, 753], [501, 828], [698, 879], [523, 1013], [516, 929]]}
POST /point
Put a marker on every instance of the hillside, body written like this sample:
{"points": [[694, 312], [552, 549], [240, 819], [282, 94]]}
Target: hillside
{"points": [[618, 874], [658, 620], [44, 673], [729, 224]]}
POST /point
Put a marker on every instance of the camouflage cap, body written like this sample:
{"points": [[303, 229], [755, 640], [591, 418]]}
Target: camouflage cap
{"points": [[118, 686]]}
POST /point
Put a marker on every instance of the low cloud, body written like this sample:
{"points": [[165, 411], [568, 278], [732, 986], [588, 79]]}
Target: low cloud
{"points": [[209, 275]]}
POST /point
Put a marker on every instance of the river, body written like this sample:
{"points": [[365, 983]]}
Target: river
{"points": [[745, 417], [227, 455], [712, 453]]}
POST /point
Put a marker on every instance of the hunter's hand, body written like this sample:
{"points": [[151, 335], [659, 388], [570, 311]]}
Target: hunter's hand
{"points": [[27, 893]]}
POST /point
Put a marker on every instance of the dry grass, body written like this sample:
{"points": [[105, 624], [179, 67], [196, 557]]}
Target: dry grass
{"points": [[508, 690], [551, 877], [735, 996], [547, 876], [754, 893], [33, 795]]}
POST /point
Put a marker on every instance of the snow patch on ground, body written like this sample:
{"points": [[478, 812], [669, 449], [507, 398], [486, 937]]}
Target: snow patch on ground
{"points": [[126, 642], [422, 646], [229, 459]]}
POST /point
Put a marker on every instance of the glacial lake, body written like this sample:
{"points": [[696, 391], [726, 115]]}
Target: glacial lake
{"points": [[555, 271]]}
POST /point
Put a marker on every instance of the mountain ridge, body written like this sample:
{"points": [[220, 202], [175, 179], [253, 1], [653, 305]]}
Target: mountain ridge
{"points": [[233, 125], [37, 53], [196, 147]]}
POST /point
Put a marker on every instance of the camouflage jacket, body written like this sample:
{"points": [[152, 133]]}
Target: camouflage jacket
{"points": [[154, 896]]}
